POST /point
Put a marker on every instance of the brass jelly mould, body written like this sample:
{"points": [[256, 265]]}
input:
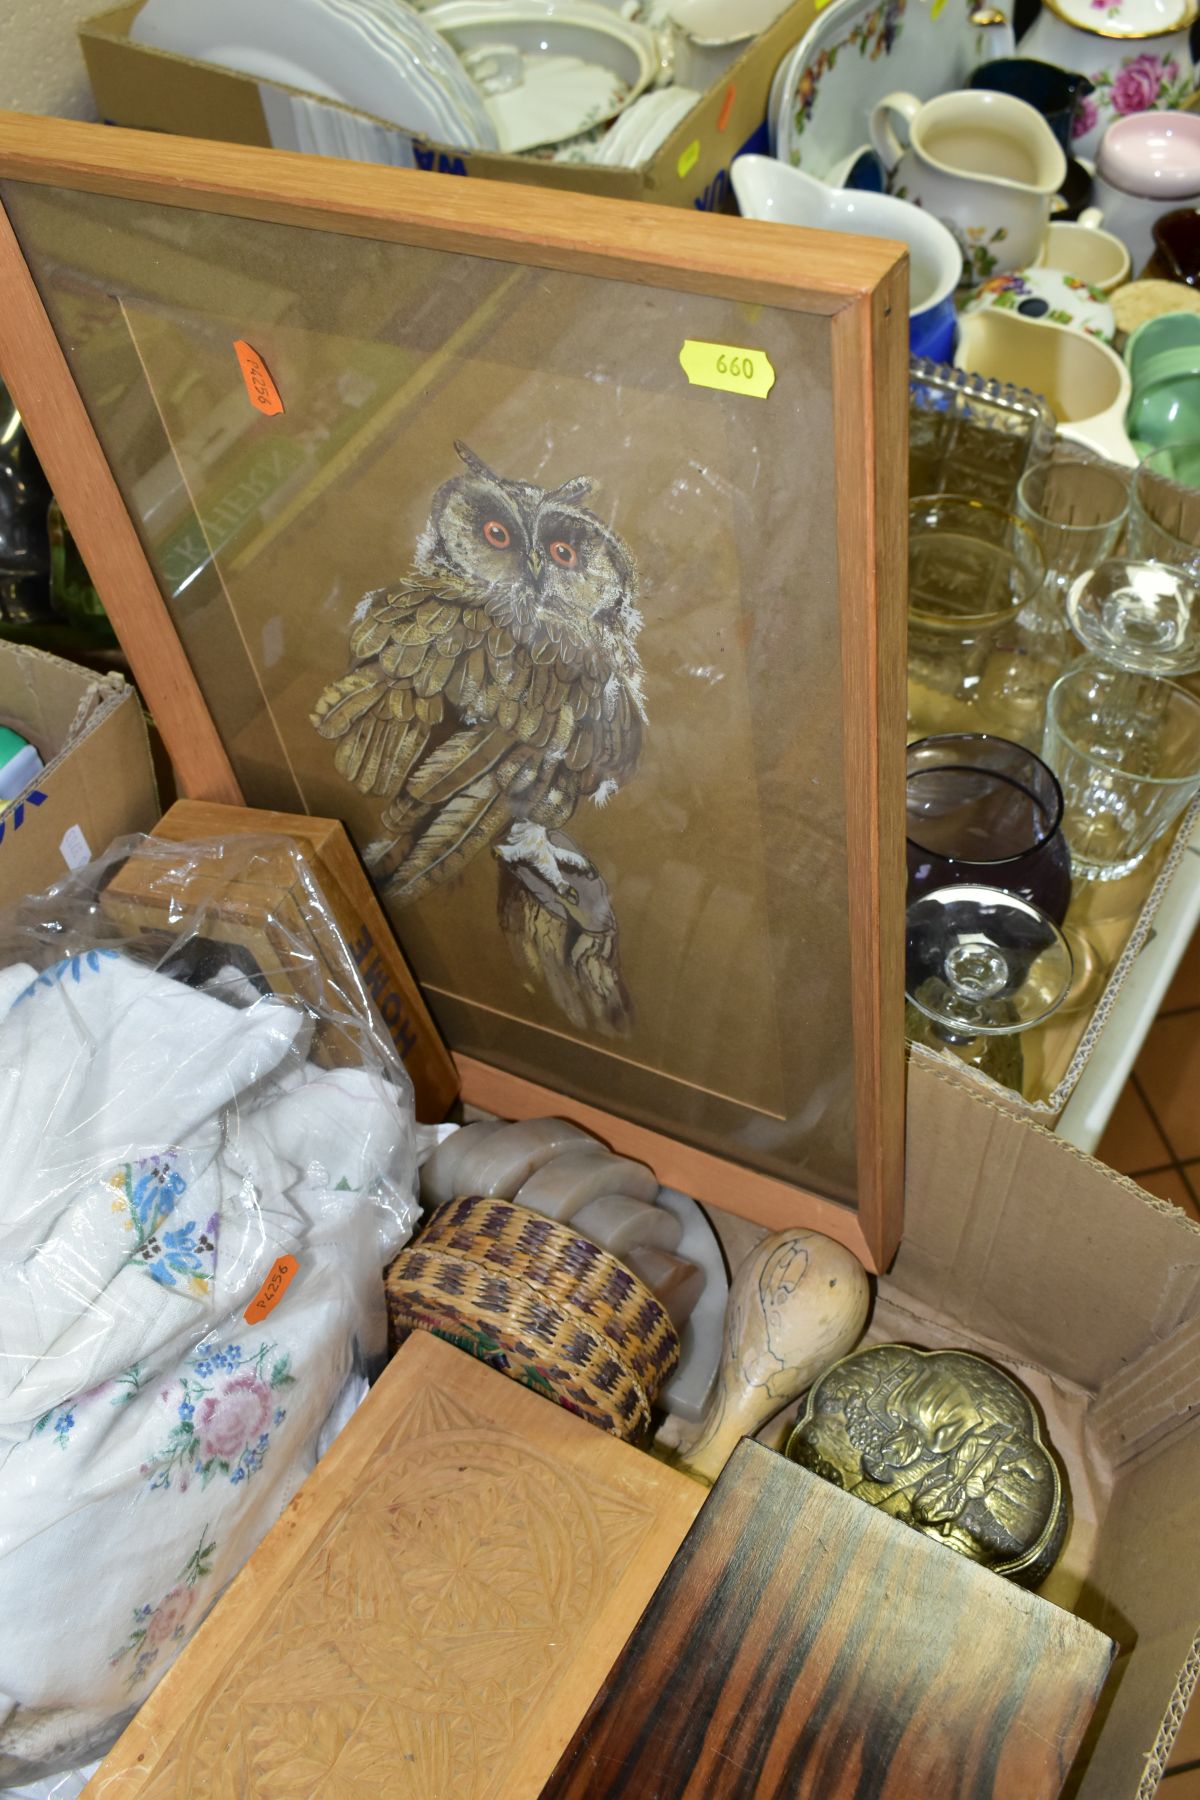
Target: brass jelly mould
{"points": [[945, 1441]]}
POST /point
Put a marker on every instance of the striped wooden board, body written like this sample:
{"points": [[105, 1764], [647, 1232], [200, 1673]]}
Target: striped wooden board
{"points": [[805, 1645]]}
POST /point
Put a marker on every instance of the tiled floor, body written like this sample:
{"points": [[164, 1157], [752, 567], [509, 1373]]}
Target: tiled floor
{"points": [[1154, 1133], [1154, 1136]]}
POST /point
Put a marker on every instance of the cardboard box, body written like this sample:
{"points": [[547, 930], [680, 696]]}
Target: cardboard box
{"points": [[98, 783], [1087, 1289], [157, 91], [1022, 1249]]}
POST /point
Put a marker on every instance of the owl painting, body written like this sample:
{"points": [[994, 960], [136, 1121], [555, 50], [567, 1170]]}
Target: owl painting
{"points": [[489, 693]]}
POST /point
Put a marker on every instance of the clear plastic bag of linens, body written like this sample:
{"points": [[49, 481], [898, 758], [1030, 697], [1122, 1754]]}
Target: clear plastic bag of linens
{"points": [[209, 1156]]}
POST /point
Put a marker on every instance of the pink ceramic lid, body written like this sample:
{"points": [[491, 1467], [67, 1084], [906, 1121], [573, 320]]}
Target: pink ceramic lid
{"points": [[1153, 153]]}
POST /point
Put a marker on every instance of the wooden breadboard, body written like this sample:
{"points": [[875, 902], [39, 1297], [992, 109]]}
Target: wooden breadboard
{"points": [[432, 1614]]}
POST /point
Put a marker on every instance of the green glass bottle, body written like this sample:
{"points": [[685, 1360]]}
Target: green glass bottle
{"points": [[73, 596]]}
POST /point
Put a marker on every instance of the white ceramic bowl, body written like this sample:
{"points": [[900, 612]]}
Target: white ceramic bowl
{"points": [[579, 63], [724, 21], [1149, 164]]}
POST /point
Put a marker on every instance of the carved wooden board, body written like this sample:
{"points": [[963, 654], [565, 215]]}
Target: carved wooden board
{"points": [[805, 1645], [431, 1615]]}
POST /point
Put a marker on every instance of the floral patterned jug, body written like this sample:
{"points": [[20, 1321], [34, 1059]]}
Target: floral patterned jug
{"points": [[1136, 53]]}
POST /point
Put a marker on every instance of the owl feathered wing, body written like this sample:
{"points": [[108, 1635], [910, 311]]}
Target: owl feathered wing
{"points": [[465, 729]]}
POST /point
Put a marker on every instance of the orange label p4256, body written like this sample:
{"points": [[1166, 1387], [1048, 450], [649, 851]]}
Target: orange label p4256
{"points": [[262, 390], [272, 1290]]}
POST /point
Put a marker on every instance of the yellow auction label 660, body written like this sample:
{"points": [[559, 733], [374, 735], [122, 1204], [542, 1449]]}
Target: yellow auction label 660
{"points": [[730, 367]]}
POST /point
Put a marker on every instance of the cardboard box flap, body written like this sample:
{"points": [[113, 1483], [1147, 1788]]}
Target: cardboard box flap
{"points": [[98, 781], [49, 701], [1146, 1401], [1056, 1257], [1144, 1591]]}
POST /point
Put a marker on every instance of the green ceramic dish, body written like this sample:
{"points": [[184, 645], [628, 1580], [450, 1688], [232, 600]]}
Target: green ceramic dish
{"points": [[1163, 359]]}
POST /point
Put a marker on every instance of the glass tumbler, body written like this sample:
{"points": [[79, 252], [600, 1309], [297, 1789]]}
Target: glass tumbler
{"points": [[1164, 516], [986, 812], [1077, 507], [981, 968], [971, 567], [1128, 762]]}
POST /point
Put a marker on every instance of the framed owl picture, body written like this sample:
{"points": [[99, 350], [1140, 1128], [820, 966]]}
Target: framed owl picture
{"points": [[555, 544]]}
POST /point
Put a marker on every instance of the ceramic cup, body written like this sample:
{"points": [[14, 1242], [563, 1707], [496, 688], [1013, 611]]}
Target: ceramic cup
{"points": [[1054, 92], [985, 164], [1163, 359], [1080, 248], [767, 189], [1149, 164], [1084, 383]]}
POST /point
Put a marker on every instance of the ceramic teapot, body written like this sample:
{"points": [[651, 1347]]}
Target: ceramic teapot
{"points": [[1135, 53]]}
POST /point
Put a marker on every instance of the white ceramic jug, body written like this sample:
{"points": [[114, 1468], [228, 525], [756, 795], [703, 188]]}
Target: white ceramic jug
{"points": [[984, 163]]}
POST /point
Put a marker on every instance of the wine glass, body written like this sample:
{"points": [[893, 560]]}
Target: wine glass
{"points": [[1141, 620], [985, 812], [1143, 617], [981, 968], [1164, 517], [971, 567], [1077, 506]]}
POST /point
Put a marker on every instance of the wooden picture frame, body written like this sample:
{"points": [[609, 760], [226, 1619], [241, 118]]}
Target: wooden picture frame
{"points": [[139, 214]]}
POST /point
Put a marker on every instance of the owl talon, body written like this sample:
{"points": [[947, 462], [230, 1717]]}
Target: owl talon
{"points": [[530, 845]]}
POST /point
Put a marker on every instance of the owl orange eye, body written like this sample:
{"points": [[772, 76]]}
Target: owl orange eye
{"points": [[497, 534], [563, 554]]}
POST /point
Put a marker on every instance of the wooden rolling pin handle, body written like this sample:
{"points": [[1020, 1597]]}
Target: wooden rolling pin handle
{"points": [[797, 1303]]}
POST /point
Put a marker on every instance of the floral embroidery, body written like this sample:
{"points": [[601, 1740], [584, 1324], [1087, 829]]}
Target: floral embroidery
{"points": [[60, 1420], [227, 1407], [130, 1381], [64, 1422], [166, 1623], [873, 37], [148, 1192], [72, 966]]}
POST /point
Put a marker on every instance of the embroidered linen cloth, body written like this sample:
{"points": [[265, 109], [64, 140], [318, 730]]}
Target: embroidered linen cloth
{"points": [[163, 1151]]}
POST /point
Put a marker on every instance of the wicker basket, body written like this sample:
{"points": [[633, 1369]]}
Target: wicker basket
{"points": [[551, 1309], [576, 1274]]}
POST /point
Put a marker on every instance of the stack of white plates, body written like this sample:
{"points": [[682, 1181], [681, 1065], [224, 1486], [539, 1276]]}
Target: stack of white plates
{"points": [[644, 127], [379, 56]]}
